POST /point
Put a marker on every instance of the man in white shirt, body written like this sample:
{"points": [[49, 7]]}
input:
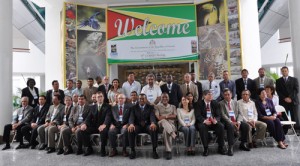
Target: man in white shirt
{"points": [[249, 115], [78, 90], [68, 91], [212, 85], [131, 85], [151, 90]]}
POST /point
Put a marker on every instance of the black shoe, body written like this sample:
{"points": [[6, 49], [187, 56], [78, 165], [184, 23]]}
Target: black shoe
{"points": [[113, 153], [222, 150], [60, 151], [155, 155], [89, 151], [47, 148], [205, 152], [132, 155], [33, 145], [193, 153], [168, 155], [6, 147], [103, 152], [68, 151], [26, 146], [230, 151], [79, 152], [50, 150], [20, 146], [244, 147], [42, 147], [188, 153]]}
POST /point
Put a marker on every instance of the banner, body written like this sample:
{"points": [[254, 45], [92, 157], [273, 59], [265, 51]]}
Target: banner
{"points": [[152, 34], [85, 42]]}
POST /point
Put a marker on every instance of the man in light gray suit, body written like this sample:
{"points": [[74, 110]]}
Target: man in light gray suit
{"points": [[54, 117], [21, 117], [262, 81], [189, 87]]}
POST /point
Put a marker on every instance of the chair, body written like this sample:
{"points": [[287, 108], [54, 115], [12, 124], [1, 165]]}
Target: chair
{"points": [[95, 140], [281, 109], [14, 132]]}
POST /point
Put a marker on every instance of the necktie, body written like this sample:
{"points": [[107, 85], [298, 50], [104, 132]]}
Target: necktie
{"points": [[261, 81], [187, 88], [285, 79], [229, 108], [228, 103], [209, 84], [99, 108], [106, 88], [169, 86], [208, 111], [121, 110], [245, 84], [66, 111]]}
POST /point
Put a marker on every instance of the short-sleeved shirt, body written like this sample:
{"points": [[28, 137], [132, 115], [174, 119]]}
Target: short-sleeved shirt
{"points": [[135, 86], [152, 92]]}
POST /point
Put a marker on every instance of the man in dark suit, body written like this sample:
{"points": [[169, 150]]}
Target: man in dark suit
{"points": [[142, 120], [31, 92], [21, 117], [198, 84], [118, 117], [94, 123], [173, 90], [38, 119], [208, 118], [104, 88], [55, 91], [287, 88], [245, 83]]}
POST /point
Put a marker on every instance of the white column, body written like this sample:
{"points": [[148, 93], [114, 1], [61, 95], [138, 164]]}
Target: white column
{"points": [[295, 36], [5, 63], [53, 45], [249, 26]]}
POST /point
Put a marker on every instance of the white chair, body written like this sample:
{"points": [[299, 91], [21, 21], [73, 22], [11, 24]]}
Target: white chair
{"points": [[281, 109]]}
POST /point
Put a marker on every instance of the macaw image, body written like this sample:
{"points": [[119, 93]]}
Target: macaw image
{"points": [[90, 18], [211, 13]]}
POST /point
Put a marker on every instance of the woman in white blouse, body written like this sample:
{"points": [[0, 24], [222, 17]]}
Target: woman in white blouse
{"points": [[186, 119], [115, 89]]}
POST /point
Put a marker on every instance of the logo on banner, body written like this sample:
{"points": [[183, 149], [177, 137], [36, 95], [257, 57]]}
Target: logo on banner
{"points": [[113, 50]]}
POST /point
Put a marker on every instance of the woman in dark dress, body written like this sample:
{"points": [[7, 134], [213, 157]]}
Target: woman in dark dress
{"points": [[267, 113]]}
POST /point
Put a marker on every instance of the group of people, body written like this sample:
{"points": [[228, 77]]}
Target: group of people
{"points": [[243, 108]]}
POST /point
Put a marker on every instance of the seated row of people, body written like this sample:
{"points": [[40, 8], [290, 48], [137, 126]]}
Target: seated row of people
{"points": [[243, 117]]}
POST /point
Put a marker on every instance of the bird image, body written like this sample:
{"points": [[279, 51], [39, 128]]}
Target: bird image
{"points": [[211, 17], [91, 22]]}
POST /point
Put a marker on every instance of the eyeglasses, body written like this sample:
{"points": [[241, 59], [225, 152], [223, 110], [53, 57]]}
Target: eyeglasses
{"points": [[245, 94]]}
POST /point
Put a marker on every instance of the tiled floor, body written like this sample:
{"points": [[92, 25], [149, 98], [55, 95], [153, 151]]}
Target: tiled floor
{"points": [[266, 155]]}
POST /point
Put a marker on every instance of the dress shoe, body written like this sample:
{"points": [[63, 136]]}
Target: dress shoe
{"points": [[168, 155], [47, 148], [155, 155], [68, 151], [193, 152], [125, 153], [132, 155], [50, 150], [103, 153], [254, 144], [113, 153], [88, 151], [79, 152], [244, 147], [222, 150], [230, 151], [6, 147], [26, 146], [205, 152], [33, 145], [42, 147], [60, 151], [20, 146]]}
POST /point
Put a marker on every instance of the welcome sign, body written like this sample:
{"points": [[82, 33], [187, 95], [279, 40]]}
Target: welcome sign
{"points": [[152, 34]]}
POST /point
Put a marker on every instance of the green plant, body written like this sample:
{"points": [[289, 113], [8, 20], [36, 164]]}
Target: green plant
{"points": [[273, 76]]}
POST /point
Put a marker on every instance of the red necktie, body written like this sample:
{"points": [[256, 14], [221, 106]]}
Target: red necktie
{"points": [[231, 117], [121, 110], [208, 110]]}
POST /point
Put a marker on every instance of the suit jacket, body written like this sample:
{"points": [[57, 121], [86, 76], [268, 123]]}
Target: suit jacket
{"points": [[49, 96], [139, 117], [224, 113], [240, 86], [66, 113], [267, 81], [26, 92], [58, 117], [193, 90], [39, 116], [88, 92], [97, 117], [290, 88], [200, 114], [113, 116], [230, 85], [200, 91], [175, 95], [74, 115], [101, 88], [24, 116]]}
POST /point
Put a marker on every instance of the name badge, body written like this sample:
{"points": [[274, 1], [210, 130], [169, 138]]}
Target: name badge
{"points": [[186, 120], [52, 117], [120, 118], [37, 120], [261, 86], [250, 112], [268, 111], [65, 118], [208, 114], [20, 117], [35, 97], [150, 97], [231, 113]]}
